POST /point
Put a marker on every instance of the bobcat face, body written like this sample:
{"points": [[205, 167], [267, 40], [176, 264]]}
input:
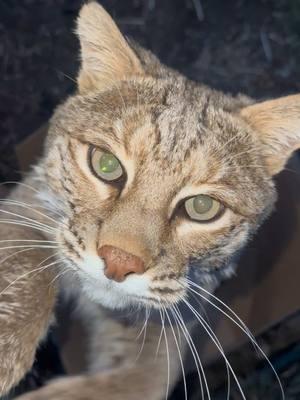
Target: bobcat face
{"points": [[161, 180]]}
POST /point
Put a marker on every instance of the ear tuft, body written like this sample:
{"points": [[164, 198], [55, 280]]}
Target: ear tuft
{"points": [[277, 124], [105, 53]]}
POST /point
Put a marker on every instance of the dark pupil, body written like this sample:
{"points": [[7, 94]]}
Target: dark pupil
{"points": [[108, 163], [202, 204]]}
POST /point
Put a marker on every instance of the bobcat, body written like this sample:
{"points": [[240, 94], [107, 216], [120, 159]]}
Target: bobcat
{"points": [[149, 186]]}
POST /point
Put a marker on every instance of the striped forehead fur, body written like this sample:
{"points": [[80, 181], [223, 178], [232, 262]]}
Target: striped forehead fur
{"points": [[175, 139]]}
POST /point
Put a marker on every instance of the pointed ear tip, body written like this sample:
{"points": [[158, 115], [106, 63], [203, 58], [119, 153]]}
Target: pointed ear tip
{"points": [[89, 10]]}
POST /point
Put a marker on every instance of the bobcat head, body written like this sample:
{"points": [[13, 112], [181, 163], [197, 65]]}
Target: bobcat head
{"points": [[161, 180]]}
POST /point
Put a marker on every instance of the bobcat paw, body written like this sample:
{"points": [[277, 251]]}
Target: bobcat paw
{"points": [[85, 388], [98, 387], [64, 389]]}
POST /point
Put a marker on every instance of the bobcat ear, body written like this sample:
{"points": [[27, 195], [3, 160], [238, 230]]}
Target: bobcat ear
{"points": [[105, 54], [277, 124]]}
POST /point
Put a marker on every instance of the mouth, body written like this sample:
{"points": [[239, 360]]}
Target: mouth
{"points": [[132, 293], [136, 290]]}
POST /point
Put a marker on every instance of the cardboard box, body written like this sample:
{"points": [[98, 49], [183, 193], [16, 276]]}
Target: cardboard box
{"points": [[266, 287]]}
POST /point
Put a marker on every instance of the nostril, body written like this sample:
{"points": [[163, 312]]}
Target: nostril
{"points": [[129, 273]]}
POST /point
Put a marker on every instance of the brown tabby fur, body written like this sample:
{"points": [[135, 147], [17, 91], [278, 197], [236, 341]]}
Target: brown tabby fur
{"points": [[175, 139]]}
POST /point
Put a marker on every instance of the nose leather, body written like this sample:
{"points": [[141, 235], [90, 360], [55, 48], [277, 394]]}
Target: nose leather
{"points": [[119, 264]]}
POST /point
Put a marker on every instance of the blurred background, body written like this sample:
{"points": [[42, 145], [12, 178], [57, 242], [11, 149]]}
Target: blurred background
{"points": [[248, 46]]}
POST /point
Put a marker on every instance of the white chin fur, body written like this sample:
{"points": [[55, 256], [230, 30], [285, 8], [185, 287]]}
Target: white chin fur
{"points": [[106, 292]]}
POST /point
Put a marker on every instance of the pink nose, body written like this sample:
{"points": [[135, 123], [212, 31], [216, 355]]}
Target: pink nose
{"points": [[119, 263]]}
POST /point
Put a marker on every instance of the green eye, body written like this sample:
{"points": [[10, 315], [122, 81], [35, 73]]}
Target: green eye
{"points": [[203, 208], [105, 165]]}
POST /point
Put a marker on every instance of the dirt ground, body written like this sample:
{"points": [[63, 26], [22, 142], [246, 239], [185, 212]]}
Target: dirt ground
{"points": [[248, 46]]}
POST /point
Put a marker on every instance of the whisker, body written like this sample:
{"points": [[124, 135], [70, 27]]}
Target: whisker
{"points": [[28, 240], [48, 258], [66, 76], [39, 269], [145, 333], [167, 351], [160, 337], [27, 246], [59, 212], [27, 219], [179, 354], [191, 283], [198, 301], [143, 327], [238, 323], [27, 206], [217, 343], [28, 225], [20, 184], [177, 326], [65, 270], [291, 170], [14, 254], [192, 347]]}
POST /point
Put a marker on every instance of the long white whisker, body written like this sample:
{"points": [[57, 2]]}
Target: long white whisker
{"points": [[145, 333], [65, 270], [180, 357], [44, 267], [27, 219], [14, 254], [48, 258], [143, 326], [28, 246], [238, 323], [27, 206], [192, 347], [201, 306], [191, 283], [177, 326], [217, 343], [160, 337], [27, 224], [28, 240], [39, 269], [167, 350], [20, 184]]}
